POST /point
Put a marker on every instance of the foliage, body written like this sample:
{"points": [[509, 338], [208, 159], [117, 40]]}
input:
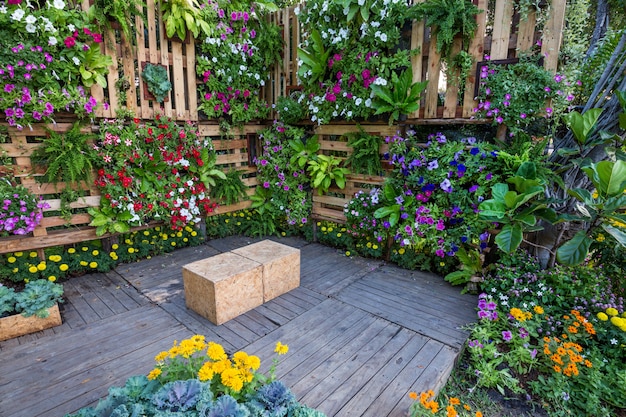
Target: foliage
{"points": [[20, 210], [102, 12], [324, 170], [426, 405], [365, 156], [153, 171], [347, 47], [235, 61], [471, 267], [7, 300], [157, 80], [517, 95], [181, 16], [448, 20], [400, 97], [68, 156], [291, 109], [283, 193], [37, 297], [229, 190], [51, 57]]}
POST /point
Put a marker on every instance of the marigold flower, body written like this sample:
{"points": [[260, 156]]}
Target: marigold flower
{"points": [[206, 372], [154, 373], [63, 267], [612, 311], [161, 356], [538, 310], [281, 349], [216, 352], [451, 412], [413, 395], [455, 401], [230, 378]]}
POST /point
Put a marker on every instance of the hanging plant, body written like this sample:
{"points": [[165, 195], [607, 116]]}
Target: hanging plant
{"points": [[157, 81]]}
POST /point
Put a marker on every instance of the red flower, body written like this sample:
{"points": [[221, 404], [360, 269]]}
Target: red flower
{"points": [[69, 42]]}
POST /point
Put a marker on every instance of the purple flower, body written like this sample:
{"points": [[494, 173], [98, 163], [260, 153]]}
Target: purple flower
{"points": [[507, 335]]}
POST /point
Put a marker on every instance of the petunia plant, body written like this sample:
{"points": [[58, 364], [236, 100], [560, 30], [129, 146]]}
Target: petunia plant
{"points": [[235, 61], [20, 210], [51, 59]]}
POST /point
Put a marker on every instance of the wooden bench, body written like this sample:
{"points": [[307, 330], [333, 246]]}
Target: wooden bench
{"points": [[224, 286]]}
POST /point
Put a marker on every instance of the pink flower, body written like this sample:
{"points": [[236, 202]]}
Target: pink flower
{"points": [[331, 97]]}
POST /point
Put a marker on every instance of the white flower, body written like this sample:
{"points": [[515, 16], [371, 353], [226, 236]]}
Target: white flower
{"points": [[71, 28], [375, 24], [368, 102], [76, 60], [214, 59], [380, 81], [59, 4], [613, 341], [358, 101], [17, 15], [30, 28], [297, 10], [3, 9], [30, 19], [383, 37], [181, 190], [190, 183]]}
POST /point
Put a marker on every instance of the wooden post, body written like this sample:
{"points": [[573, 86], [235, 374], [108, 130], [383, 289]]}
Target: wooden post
{"points": [[552, 35]]}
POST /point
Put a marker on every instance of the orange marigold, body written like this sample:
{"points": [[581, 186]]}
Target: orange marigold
{"points": [[413, 395], [454, 401], [451, 412]]}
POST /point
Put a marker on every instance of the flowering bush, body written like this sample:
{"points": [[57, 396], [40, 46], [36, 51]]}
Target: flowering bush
{"points": [[519, 94], [430, 200], [347, 47], [235, 61], [285, 182], [426, 405], [20, 210], [154, 171], [51, 58]]}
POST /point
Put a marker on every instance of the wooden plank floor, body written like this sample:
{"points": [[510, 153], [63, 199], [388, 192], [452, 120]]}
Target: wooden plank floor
{"points": [[361, 334]]}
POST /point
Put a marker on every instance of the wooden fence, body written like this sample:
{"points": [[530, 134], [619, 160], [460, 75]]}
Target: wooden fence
{"points": [[503, 38]]}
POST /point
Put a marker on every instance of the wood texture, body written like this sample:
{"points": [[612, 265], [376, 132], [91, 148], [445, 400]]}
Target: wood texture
{"points": [[361, 335]]}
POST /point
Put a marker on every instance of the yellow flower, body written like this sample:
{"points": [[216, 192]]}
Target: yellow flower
{"points": [[602, 316], [281, 349], [84, 248], [230, 378], [115, 246], [347, 253], [41, 266], [600, 237], [595, 194], [128, 242], [18, 254], [95, 252], [32, 269], [33, 254], [253, 362], [216, 352], [401, 251], [154, 374], [131, 250], [538, 309], [16, 270], [612, 311], [185, 240], [413, 395], [161, 356], [194, 233], [206, 372], [93, 264], [146, 233], [52, 278], [338, 234], [173, 243], [71, 250], [220, 366], [374, 246], [83, 263], [179, 234], [11, 259]]}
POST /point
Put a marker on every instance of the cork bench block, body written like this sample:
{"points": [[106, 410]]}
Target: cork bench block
{"points": [[281, 266], [223, 286]]}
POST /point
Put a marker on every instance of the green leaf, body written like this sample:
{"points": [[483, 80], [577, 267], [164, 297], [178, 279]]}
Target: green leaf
{"points": [[120, 227], [527, 170], [499, 190], [582, 124], [510, 199], [386, 211], [616, 233], [492, 209], [574, 251], [509, 238], [581, 194], [458, 277]]}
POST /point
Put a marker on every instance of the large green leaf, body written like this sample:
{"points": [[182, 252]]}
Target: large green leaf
{"points": [[528, 170], [582, 124], [612, 177], [574, 251], [509, 238], [499, 190], [492, 209], [616, 233]]}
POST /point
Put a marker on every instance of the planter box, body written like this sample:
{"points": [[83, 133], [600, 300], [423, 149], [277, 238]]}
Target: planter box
{"points": [[18, 325]]}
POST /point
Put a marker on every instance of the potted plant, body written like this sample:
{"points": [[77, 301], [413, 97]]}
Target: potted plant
{"points": [[156, 81], [181, 16], [20, 210], [31, 310], [399, 98]]}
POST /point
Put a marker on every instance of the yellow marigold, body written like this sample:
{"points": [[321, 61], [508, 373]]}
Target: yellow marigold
{"points": [[113, 255], [281, 349], [230, 378], [54, 258], [347, 253], [173, 243], [33, 254], [95, 252], [84, 248], [128, 242], [32, 269], [52, 278], [221, 366], [216, 352], [240, 358], [612, 311], [41, 266], [538, 310], [617, 321], [198, 338], [451, 412], [63, 267], [253, 362], [93, 264], [161, 356], [146, 233], [71, 250], [433, 406], [600, 237], [83, 263], [194, 233], [246, 375], [455, 401], [12, 259], [131, 250], [401, 251], [206, 372], [154, 373], [115, 246], [19, 254]]}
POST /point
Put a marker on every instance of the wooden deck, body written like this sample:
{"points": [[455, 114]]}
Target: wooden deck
{"points": [[361, 334]]}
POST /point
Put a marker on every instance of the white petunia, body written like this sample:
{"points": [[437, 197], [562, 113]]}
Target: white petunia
{"points": [[30, 28], [3, 9], [368, 102], [17, 15], [383, 37], [30, 19], [58, 4], [76, 60], [52, 41]]}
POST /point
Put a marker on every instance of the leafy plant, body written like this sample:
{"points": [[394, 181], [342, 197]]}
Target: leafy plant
{"points": [[106, 220], [181, 16], [206, 172], [179, 396], [69, 157], [471, 267], [517, 208], [231, 189], [290, 109], [7, 300], [305, 149], [157, 80], [365, 156], [37, 297], [400, 97], [315, 62], [324, 170], [102, 12]]}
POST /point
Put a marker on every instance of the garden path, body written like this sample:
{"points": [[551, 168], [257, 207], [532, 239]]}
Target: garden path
{"points": [[361, 334]]}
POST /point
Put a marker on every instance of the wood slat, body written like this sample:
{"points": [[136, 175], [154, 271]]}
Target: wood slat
{"points": [[476, 50], [552, 35], [501, 29]]}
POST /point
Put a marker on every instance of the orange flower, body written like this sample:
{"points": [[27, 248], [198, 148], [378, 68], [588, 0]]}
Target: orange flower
{"points": [[413, 395], [455, 401], [557, 369], [451, 412]]}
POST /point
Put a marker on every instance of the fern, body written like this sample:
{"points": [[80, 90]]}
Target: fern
{"points": [[230, 190], [365, 156], [69, 157], [594, 66]]}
